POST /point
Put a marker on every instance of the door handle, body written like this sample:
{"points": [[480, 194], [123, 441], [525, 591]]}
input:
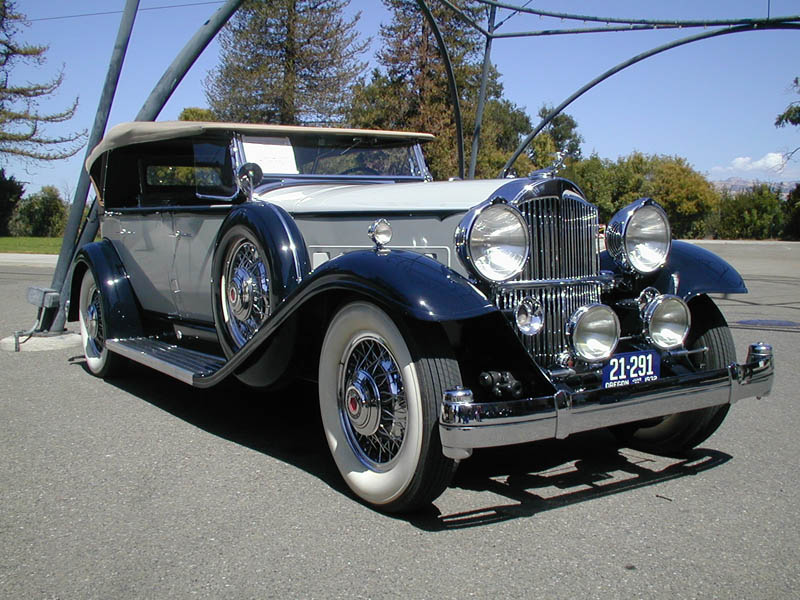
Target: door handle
{"points": [[180, 234]]}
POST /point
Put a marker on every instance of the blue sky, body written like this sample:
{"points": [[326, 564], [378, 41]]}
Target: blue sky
{"points": [[713, 102]]}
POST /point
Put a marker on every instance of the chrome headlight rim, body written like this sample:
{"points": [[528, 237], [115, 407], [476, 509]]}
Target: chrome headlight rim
{"points": [[464, 238], [650, 313], [572, 330], [622, 249]]}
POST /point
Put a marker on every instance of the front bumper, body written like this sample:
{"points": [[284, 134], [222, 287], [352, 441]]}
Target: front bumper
{"points": [[465, 424]]}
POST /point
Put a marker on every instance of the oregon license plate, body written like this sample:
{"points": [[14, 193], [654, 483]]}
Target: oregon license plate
{"points": [[630, 368]]}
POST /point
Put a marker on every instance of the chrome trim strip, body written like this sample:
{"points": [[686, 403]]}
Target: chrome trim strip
{"points": [[552, 283], [464, 425]]}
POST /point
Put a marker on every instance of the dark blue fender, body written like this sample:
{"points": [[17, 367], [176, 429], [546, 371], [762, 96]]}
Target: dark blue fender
{"points": [[120, 307], [410, 283], [690, 271]]}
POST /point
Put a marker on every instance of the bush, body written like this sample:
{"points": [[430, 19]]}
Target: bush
{"points": [[791, 215], [754, 214], [11, 191], [43, 214]]}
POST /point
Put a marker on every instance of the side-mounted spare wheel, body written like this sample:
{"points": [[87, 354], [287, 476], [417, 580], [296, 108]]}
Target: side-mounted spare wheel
{"points": [[678, 433], [243, 299], [94, 327], [379, 395]]}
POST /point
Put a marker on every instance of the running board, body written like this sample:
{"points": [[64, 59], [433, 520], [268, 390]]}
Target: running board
{"points": [[189, 366]]}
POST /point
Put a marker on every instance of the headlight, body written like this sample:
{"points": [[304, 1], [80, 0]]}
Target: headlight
{"points": [[639, 237], [495, 241], [593, 332], [666, 321]]}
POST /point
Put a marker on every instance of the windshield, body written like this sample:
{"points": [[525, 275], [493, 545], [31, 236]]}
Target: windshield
{"points": [[334, 155]]}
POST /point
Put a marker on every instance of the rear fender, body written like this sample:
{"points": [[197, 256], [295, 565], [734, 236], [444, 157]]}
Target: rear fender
{"points": [[120, 305]]}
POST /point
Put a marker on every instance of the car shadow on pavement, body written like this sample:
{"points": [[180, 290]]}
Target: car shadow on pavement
{"points": [[513, 481], [525, 480]]}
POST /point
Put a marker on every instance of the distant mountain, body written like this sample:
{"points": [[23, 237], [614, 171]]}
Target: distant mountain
{"points": [[737, 184]]}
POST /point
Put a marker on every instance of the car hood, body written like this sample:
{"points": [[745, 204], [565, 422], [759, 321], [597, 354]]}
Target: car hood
{"points": [[450, 196]]}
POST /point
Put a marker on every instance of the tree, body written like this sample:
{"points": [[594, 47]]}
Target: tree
{"points": [[790, 116], [43, 214], [410, 90], [285, 61], [791, 215], [194, 113], [751, 214], [563, 130], [687, 197], [11, 191], [22, 123]]}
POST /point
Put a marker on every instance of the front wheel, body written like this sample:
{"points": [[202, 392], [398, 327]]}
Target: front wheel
{"points": [[379, 401], [678, 433]]}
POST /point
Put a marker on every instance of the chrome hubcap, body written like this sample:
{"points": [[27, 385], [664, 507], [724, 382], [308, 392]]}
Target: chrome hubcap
{"points": [[362, 401], [372, 403], [92, 321]]}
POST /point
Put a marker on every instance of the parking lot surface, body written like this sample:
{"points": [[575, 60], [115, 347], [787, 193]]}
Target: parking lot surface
{"points": [[142, 487]]}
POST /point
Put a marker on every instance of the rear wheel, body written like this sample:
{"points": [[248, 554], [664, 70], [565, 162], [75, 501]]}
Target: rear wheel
{"points": [[379, 398], [93, 325], [678, 433]]}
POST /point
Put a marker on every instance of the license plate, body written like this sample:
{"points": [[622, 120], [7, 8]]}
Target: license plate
{"points": [[630, 368]]}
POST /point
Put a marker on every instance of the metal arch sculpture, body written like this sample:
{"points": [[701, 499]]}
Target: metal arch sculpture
{"points": [[612, 24]]}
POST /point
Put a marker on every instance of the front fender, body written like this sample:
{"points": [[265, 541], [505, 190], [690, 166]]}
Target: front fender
{"points": [[120, 305], [691, 271], [412, 284]]}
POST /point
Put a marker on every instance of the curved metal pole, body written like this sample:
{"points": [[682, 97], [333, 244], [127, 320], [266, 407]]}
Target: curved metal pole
{"points": [[487, 62], [628, 63], [451, 81], [184, 61], [82, 190]]}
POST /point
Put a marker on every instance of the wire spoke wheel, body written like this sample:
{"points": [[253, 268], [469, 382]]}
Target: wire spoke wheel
{"points": [[244, 290], [372, 402]]}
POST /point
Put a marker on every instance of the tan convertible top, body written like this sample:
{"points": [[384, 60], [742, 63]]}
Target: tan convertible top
{"points": [[139, 132]]}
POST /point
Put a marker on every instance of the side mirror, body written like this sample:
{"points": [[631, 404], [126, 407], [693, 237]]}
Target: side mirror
{"points": [[249, 176]]}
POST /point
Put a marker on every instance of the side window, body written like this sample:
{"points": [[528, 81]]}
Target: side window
{"points": [[182, 172]]}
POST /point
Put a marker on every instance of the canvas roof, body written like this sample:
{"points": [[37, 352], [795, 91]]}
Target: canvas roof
{"points": [[138, 132]]}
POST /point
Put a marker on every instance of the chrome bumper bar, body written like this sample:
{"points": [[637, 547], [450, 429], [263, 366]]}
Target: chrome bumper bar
{"points": [[465, 424]]}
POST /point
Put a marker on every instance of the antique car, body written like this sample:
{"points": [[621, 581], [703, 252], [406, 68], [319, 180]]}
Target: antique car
{"points": [[436, 317]]}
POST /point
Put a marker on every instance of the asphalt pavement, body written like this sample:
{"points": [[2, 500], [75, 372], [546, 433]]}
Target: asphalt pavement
{"points": [[142, 487]]}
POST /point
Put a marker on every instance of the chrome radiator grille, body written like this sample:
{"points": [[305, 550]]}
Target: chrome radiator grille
{"points": [[563, 253]]}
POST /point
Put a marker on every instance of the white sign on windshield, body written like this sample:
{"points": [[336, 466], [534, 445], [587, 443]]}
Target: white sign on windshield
{"points": [[272, 154]]}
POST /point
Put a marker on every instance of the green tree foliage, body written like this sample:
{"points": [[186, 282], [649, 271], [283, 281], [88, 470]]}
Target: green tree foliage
{"points": [[791, 215], [22, 123], [11, 191], [753, 214], [687, 197], [563, 130], [790, 116], [43, 214], [285, 61], [410, 90], [194, 113]]}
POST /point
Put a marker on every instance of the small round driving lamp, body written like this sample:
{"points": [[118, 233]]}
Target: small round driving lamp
{"points": [[380, 232], [498, 242], [666, 321], [593, 332], [639, 237]]}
